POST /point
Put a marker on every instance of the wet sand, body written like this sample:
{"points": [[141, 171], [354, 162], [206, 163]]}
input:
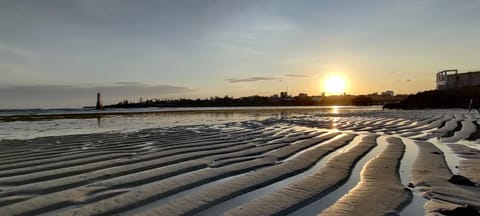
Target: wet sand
{"points": [[274, 166]]}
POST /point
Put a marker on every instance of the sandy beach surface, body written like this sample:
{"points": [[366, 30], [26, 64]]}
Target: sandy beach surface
{"points": [[300, 162]]}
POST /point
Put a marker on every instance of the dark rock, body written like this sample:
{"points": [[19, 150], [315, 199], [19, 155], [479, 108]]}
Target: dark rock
{"points": [[411, 185], [461, 180], [391, 213], [436, 153], [461, 211]]}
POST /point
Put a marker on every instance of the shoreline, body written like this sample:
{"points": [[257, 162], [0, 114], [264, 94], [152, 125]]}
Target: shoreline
{"points": [[185, 110]]}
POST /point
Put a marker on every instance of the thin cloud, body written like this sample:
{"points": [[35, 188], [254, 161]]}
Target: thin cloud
{"points": [[298, 75], [75, 96], [129, 83], [252, 79], [128, 88], [11, 57]]}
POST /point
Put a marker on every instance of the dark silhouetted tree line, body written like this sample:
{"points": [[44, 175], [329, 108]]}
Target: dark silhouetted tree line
{"points": [[255, 100]]}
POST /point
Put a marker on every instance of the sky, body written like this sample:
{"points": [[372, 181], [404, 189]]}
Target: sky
{"points": [[59, 53]]}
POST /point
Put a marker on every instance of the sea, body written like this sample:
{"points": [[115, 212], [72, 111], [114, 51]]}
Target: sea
{"points": [[32, 123]]}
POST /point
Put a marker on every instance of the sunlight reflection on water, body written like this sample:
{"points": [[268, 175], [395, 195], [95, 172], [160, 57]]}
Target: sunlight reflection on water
{"points": [[123, 122]]}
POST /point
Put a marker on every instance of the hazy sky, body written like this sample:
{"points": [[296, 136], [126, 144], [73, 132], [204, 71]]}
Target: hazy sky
{"points": [[60, 53]]}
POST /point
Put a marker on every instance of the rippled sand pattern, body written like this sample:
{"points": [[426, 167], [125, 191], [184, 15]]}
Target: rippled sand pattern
{"points": [[277, 166]]}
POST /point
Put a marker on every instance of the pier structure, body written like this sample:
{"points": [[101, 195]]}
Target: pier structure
{"points": [[99, 105]]}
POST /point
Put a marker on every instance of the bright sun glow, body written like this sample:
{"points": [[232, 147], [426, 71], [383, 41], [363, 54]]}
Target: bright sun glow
{"points": [[335, 85]]}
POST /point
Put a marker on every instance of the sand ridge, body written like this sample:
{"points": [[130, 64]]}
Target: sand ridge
{"points": [[430, 176], [380, 189], [289, 198]]}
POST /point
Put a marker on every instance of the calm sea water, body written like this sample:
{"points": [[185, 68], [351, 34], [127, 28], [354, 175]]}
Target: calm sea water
{"points": [[54, 123]]}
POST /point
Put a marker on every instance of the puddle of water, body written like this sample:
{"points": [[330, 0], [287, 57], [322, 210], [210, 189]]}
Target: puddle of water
{"points": [[452, 159], [416, 206], [318, 206]]}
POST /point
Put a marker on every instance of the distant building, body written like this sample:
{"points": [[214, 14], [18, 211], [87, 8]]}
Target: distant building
{"points": [[451, 79], [274, 98], [317, 98], [283, 94], [302, 96], [388, 93]]}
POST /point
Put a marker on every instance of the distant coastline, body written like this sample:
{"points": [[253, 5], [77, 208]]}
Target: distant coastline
{"points": [[300, 100]]}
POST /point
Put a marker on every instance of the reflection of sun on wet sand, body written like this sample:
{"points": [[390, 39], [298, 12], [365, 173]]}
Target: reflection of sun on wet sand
{"points": [[275, 166]]}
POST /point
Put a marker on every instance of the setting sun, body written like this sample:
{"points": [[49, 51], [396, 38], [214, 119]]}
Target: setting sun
{"points": [[335, 85]]}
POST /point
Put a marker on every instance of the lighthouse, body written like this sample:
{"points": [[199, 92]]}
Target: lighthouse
{"points": [[99, 105]]}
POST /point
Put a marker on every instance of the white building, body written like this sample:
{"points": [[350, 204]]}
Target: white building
{"points": [[451, 79]]}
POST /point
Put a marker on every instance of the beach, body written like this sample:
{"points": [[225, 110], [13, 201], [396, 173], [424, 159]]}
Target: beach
{"points": [[285, 161]]}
